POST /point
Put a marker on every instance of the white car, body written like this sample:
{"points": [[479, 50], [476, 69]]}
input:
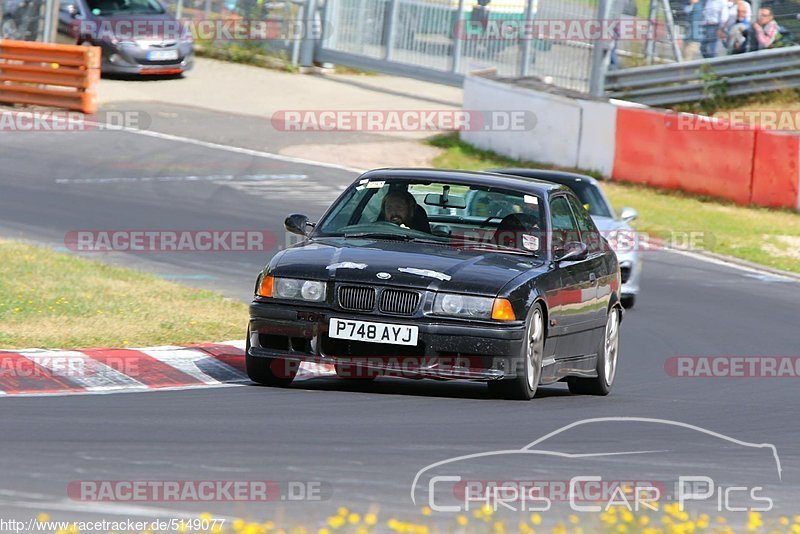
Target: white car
{"points": [[615, 228]]}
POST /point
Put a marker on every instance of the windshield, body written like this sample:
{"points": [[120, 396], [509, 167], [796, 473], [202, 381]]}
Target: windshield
{"points": [[450, 214], [112, 7], [591, 197]]}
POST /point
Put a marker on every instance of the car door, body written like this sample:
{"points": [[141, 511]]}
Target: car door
{"points": [[595, 263], [572, 305]]}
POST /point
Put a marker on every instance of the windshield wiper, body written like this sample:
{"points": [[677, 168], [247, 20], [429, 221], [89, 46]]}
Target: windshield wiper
{"points": [[495, 246], [379, 235], [395, 237]]}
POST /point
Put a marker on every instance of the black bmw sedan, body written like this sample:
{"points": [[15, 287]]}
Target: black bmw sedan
{"points": [[443, 274]]}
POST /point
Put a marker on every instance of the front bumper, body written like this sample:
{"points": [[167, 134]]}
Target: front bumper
{"points": [[631, 268], [132, 59], [445, 349]]}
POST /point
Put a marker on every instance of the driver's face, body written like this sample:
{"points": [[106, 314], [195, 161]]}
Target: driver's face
{"points": [[397, 211]]}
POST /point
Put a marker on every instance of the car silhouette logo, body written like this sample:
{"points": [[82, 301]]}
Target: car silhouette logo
{"points": [[384, 276]]}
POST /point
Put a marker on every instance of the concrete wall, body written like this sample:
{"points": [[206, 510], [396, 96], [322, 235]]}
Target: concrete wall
{"points": [[633, 143]]}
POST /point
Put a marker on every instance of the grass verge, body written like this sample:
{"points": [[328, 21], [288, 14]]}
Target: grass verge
{"points": [[764, 236], [54, 300]]}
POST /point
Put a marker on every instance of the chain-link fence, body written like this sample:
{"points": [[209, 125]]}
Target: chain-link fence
{"points": [[515, 37], [22, 19], [281, 43]]}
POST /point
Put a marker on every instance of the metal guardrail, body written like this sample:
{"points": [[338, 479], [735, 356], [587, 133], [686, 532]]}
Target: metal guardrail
{"points": [[741, 74]]}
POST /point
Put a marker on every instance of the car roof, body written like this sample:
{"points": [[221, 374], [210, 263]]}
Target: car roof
{"points": [[491, 179], [561, 177]]}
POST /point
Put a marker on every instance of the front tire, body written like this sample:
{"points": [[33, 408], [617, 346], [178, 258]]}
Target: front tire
{"points": [[272, 372], [628, 301], [607, 355], [529, 371]]}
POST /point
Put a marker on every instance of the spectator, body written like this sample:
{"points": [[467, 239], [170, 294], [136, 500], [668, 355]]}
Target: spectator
{"points": [[629, 11], [694, 34], [715, 15], [734, 35], [766, 30]]}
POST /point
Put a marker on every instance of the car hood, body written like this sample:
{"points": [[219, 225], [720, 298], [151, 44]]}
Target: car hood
{"points": [[143, 26], [414, 265]]}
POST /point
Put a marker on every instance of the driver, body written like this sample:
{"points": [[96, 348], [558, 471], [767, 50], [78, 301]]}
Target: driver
{"points": [[398, 208]]}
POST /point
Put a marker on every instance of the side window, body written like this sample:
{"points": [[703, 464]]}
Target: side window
{"points": [[589, 234], [563, 226], [372, 209]]}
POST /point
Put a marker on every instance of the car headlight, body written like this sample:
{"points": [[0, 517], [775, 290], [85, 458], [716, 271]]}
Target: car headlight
{"points": [[294, 289], [473, 307]]}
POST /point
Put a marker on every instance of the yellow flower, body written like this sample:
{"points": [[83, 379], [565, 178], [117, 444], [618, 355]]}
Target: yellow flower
{"points": [[426, 511], [238, 524], [536, 519], [462, 520], [627, 516], [574, 519], [353, 518], [370, 519], [41, 518], [754, 521], [342, 511], [336, 521], [323, 531]]}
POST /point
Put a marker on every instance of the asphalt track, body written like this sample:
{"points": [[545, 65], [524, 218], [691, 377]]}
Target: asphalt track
{"points": [[365, 443]]}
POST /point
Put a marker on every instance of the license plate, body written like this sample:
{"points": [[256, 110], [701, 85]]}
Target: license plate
{"points": [[392, 334], [162, 55]]}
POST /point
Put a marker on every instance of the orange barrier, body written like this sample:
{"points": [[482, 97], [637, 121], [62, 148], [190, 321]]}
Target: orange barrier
{"points": [[44, 74], [654, 148], [776, 170]]}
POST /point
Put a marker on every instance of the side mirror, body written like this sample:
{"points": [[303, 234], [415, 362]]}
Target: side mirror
{"points": [[297, 223], [628, 214], [574, 251], [70, 9]]}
